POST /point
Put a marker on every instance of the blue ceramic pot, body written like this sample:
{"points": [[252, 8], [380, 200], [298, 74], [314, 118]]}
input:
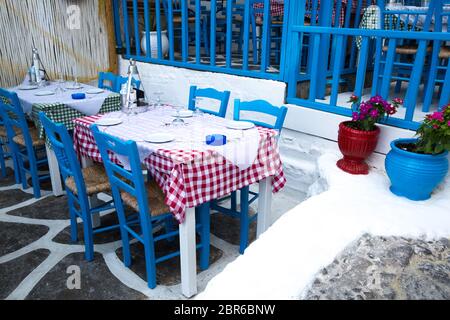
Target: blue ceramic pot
{"points": [[414, 175]]}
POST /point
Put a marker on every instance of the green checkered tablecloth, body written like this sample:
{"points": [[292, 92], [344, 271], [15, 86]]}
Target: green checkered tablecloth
{"points": [[370, 21], [61, 113]]}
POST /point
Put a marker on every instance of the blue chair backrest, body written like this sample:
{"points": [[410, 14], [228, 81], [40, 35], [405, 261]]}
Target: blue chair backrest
{"points": [[110, 77], [122, 80], [210, 93], [14, 117], [62, 145], [120, 179], [261, 106], [408, 19]]}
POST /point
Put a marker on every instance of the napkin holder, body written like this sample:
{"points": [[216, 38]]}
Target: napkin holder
{"points": [[216, 140]]}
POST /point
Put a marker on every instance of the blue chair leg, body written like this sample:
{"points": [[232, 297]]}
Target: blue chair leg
{"points": [[73, 222], [2, 160], [88, 237], [23, 174], [234, 201], [150, 261], [169, 226], [245, 221], [35, 181], [205, 235]]}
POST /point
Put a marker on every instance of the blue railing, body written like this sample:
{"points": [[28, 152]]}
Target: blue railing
{"points": [[336, 37], [196, 30], [317, 45]]}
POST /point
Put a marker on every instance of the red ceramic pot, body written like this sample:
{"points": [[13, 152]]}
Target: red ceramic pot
{"points": [[356, 146]]}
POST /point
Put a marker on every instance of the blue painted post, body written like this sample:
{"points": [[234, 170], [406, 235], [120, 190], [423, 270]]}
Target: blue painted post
{"points": [[117, 28], [362, 67], [389, 64], [197, 31], [147, 29], [229, 42], [284, 43], [246, 35], [325, 19], [184, 31], [126, 26], [212, 52], [315, 72], [170, 27], [294, 44], [265, 51], [137, 38], [158, 28], [338, 52]]}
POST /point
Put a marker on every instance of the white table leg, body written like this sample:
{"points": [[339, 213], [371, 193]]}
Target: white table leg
{"points": [[55, 175], [264, 206], [188, 254], [93, 201]]}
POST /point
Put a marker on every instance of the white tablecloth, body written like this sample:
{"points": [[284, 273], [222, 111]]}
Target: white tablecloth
{"points": [[89, 106], [241, 148]]}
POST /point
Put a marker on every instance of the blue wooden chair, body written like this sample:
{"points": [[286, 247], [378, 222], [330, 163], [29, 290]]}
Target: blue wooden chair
{"points": [[122, 80], [396, 60], [79, 184], [210, 93], [147, 200], [275, 25], [5, 151], [279, 115], [177, 10], [440, 60], [28, 149], [107, 80]]}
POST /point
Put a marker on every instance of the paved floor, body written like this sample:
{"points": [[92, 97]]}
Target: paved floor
{"points": [[37, 258], [388, 268]]}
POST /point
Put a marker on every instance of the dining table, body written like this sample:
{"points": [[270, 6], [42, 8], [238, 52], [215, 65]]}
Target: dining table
{"points": [[188, 170], [56, 101]]}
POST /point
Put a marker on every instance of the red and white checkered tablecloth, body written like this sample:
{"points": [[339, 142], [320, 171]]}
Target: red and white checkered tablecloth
{"points": [[190, 178]]}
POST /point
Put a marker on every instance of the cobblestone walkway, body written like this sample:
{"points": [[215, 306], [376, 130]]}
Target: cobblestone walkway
{"points": [[387, 268]]}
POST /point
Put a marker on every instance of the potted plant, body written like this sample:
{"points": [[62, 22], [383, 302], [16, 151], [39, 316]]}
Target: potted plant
{"points": [[154, 41], [358, 138], [417, 166]]}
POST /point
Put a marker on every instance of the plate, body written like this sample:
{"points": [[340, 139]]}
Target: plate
{"points": [[108, 121], [28, 87], [95, 91], [184, 114], [44, 93], [240, 125], [159, 138]]}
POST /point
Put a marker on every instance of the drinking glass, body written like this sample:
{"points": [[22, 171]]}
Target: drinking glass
{"points": [[178, 121], [198, 112]]}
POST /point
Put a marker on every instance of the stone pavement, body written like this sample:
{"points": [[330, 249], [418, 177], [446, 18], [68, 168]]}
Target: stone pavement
{"points": [[390, 268]]}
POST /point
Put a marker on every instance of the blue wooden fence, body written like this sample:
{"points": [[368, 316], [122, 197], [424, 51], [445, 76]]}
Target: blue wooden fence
{"points": [[317, 45]]}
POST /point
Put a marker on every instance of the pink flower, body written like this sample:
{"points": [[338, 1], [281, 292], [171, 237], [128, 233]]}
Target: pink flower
{"points": [[439, 116], [398, 100], [355, 116], [435, 126], [448, 123], [374, 113]]}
